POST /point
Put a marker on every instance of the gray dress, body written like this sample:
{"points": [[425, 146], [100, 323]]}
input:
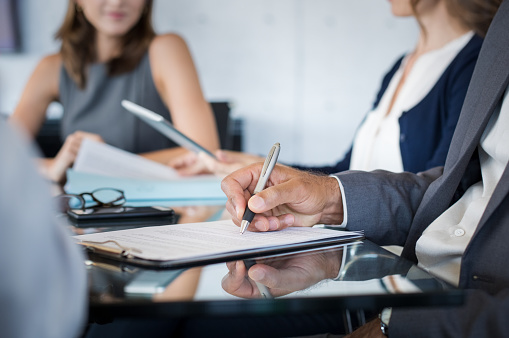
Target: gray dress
{"points": [[96, 109]]}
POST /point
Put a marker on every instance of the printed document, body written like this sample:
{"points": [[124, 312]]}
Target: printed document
{"points": [[200, 241], [103, 159]]}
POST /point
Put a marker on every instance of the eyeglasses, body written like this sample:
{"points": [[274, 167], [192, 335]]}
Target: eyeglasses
{"points": [[102, 197]]}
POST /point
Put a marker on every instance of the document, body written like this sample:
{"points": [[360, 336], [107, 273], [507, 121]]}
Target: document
{"points": [[196, 243], [144, 182], [104, 159]]}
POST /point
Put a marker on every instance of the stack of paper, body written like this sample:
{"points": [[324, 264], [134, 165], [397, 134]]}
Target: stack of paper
{"points": [[144, 182]]}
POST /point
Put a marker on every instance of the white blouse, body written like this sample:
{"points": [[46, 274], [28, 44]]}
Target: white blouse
{"points": [[376, 144]]}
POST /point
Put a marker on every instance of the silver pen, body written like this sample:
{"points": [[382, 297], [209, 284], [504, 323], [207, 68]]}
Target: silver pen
{"points": [[269, 164]]}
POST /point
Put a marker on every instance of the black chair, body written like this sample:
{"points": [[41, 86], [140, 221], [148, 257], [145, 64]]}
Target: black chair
{"points": [[48, 138], [229, 130]]}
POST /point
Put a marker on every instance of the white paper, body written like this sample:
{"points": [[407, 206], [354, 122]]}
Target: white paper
{"points": [[184, 241], [103, 159]]}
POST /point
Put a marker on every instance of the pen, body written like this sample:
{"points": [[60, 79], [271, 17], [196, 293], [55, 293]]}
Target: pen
{"points": [[269, 164], [264, 291]]}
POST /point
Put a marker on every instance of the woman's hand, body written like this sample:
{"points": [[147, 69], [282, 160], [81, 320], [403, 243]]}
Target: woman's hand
{"points": [[55, 168], [225, 163]]}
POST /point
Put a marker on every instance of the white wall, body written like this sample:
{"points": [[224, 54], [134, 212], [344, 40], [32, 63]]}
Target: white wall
{"points": [[300, 72]]}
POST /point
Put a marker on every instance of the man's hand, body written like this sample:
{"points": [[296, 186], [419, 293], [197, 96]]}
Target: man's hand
{"points": [[281, 275], [292, 198]]}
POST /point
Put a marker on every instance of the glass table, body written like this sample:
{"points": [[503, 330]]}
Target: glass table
{"points": [[370, 278]]}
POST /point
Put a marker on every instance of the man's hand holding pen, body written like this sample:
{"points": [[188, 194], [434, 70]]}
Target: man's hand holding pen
{"points": [[282, 276], [292, 198]]}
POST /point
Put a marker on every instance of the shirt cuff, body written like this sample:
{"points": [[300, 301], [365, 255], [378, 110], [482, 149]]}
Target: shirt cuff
{"points": [[345, 212], [343, 263], [385, 315]]}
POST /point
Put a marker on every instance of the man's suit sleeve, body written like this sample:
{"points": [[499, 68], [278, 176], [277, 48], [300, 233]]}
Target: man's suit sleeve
{"points": [[383, 204]]}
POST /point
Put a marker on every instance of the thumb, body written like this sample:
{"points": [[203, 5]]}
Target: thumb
{"points": [[274, 196]]}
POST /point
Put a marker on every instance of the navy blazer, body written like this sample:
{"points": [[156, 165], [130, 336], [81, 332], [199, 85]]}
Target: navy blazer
{"points": [[426, 130]]}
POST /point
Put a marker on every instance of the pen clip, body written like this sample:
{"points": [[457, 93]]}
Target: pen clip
{"points": [[268, 165], [267, 161]]}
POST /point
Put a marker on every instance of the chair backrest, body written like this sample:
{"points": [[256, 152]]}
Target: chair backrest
{"points": [[48, 138], [229, 130], [222, 114]]}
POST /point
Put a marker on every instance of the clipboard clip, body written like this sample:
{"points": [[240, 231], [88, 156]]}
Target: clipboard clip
{"points": [[124, 251]]}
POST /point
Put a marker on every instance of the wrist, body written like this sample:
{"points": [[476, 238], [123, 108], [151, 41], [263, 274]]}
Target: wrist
{"points": [[333, 208], [333, 263], [385, 318]]}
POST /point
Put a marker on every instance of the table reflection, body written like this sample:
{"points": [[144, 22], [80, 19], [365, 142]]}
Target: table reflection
{"points": [[355, 269], [357, 276]]}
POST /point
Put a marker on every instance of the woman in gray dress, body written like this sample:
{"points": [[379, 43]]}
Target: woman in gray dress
{"points": [[110, 52]]}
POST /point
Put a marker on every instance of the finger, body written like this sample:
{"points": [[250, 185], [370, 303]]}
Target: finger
{"points": [[276, 195], [226, 156], [182, 161], [236, 283], [287, 279], [233, 212], [236, 207], [208, 160], [231, 265], [280, 222], [245, 178], [238, 185], [259, 223], [192, 169]]}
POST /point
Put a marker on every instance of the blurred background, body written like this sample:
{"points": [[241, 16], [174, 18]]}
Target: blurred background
{"points": [[299, 72]]}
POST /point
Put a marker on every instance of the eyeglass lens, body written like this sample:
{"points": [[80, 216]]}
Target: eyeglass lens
{"points": [[107, 196]]}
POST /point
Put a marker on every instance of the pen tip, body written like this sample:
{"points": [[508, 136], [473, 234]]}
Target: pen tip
{"points": [[243, 226]]}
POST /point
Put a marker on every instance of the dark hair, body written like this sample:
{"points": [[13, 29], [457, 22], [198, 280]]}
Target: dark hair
{"points": [[78, 43], [475, 14]]}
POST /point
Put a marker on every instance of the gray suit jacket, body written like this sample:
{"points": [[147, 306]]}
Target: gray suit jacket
{"points": [[43, 287], [397, 208]]}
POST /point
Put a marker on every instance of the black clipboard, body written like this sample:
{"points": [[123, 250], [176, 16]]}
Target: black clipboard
{"points": [[116, 250]]}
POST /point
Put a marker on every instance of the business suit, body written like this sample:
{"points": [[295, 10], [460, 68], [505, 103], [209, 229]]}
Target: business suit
{"points": [[412, 202]]}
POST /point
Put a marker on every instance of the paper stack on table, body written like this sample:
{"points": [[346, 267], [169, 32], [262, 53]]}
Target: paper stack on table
{"points": [[143, 181]]}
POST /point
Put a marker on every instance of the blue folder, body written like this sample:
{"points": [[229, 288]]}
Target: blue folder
{"points": [[185, 191]]}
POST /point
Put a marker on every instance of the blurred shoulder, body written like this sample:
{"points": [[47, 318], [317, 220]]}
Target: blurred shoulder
{"points": [[167, 43], [52, 62]]}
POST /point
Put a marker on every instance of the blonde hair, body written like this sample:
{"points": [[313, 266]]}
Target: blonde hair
{"points": [[78, 43]]}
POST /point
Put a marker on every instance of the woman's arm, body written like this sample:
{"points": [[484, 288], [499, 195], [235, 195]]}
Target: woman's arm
{"points": [[40, 91], [176, 80]]}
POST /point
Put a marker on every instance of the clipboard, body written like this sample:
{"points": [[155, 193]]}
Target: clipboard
{"points": [[164, 127], [182, 246]]}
